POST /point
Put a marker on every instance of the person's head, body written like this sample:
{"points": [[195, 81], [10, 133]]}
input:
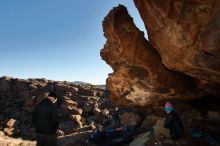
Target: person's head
{"points": [[116, 108], [168, 107], [52, 96]]}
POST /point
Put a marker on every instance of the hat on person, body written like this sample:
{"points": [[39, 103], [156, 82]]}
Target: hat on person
{"points": [[53, 94], [168, 106]]}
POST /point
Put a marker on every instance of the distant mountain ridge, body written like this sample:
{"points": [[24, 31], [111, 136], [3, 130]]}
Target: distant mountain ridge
{"points": [[102, 86], [80, 83]]}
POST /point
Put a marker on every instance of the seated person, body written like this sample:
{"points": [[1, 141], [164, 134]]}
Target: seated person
{"points": [[171, 127]]}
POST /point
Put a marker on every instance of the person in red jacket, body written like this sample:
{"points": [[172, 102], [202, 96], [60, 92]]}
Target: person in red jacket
{"points": [[46, 120]]}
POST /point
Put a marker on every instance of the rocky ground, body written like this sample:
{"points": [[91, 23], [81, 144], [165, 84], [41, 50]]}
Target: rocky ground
{"points": [[84, 108]]}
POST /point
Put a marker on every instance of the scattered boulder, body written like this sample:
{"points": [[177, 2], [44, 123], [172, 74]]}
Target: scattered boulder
{"points": [[41, 96], [11, 123], [191, 114], [87, 107], [25, 94], [29, 104], [95, 98], [77, 111], [33, 87], [141, 140], [96, 111], [2, 134], [68, 127], [68, 104], [60, 133], [150, 121], [9, 131], [105, 112], [213, 116], [77, 119], [131, 119]]}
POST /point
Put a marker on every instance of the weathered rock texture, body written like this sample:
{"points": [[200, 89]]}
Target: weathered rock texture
{"points": [[139, 76], [185, 34]]}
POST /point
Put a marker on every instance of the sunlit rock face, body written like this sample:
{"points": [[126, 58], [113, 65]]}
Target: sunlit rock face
{"points": [[139, 76], [186, 34]]}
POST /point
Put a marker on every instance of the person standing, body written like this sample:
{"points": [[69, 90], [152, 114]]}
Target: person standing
{"points": [[46, 121], [117, 120]]}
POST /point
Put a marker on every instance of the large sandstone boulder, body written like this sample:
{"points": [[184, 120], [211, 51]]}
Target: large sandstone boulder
{"points": [[139, 76], [186, 34], [183, 27]]}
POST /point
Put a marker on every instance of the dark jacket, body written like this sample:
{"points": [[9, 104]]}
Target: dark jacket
{"points": [[116, 115], [46, 117], [173, 122]]}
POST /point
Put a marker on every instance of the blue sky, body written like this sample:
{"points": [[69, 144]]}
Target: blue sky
{"points": [[56, 39]]}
